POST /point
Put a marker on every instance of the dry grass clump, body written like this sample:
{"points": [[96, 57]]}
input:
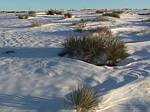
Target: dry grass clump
{"points": [[50, 12], [54, 12], [115, 52], [118, 12], [99, 11], [101, 48], [32, 13], [23, 16], [112, 14], [68, 15], [83, 99], [36, 24]]}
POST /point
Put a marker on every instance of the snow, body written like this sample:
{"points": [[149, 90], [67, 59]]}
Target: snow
{"points": [[33, 78]]}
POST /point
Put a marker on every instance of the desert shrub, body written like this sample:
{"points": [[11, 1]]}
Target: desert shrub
{"points": [[50, 12], [99, 11], [118, 12], [101, 48], [113, 14], [23, 16], [36, 24], [86, 49], [68, 15], [115, 51], [83, 99], [80, 25], [32, 13], [54, 12]]}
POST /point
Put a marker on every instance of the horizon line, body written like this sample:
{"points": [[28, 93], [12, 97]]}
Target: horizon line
{"points": [[74, 9]]}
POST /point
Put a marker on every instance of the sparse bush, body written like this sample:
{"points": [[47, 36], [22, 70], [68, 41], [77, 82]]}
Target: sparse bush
{"points": [[99, 11], [68, 15], [36, 24], [115, 51], [54, 12], [86, 49], [113, 14], [83, 99], [101, 48], [32, 13], [118, 12], [23, 16], [50, 12]]}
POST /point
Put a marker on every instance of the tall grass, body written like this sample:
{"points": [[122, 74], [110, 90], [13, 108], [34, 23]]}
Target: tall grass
{"points": [[115, 51], [101, 48], [83, 99]]}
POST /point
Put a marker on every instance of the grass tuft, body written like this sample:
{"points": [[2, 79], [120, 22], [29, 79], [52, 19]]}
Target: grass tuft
{"points": [[115, 51], [100, 48], [54, 12], [83, 99], [32, 13], [50, 12], [68, 15], [99, 11], [112, 14]]}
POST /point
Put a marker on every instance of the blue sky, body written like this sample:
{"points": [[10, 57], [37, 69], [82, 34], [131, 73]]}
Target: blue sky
{"points": [[71, 4]]}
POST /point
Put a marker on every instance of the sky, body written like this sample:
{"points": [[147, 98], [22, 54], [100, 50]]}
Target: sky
{"points": [[71, 4]]}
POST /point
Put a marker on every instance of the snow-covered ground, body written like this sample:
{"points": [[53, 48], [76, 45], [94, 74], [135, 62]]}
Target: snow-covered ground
{"points": [[33, 78]]}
